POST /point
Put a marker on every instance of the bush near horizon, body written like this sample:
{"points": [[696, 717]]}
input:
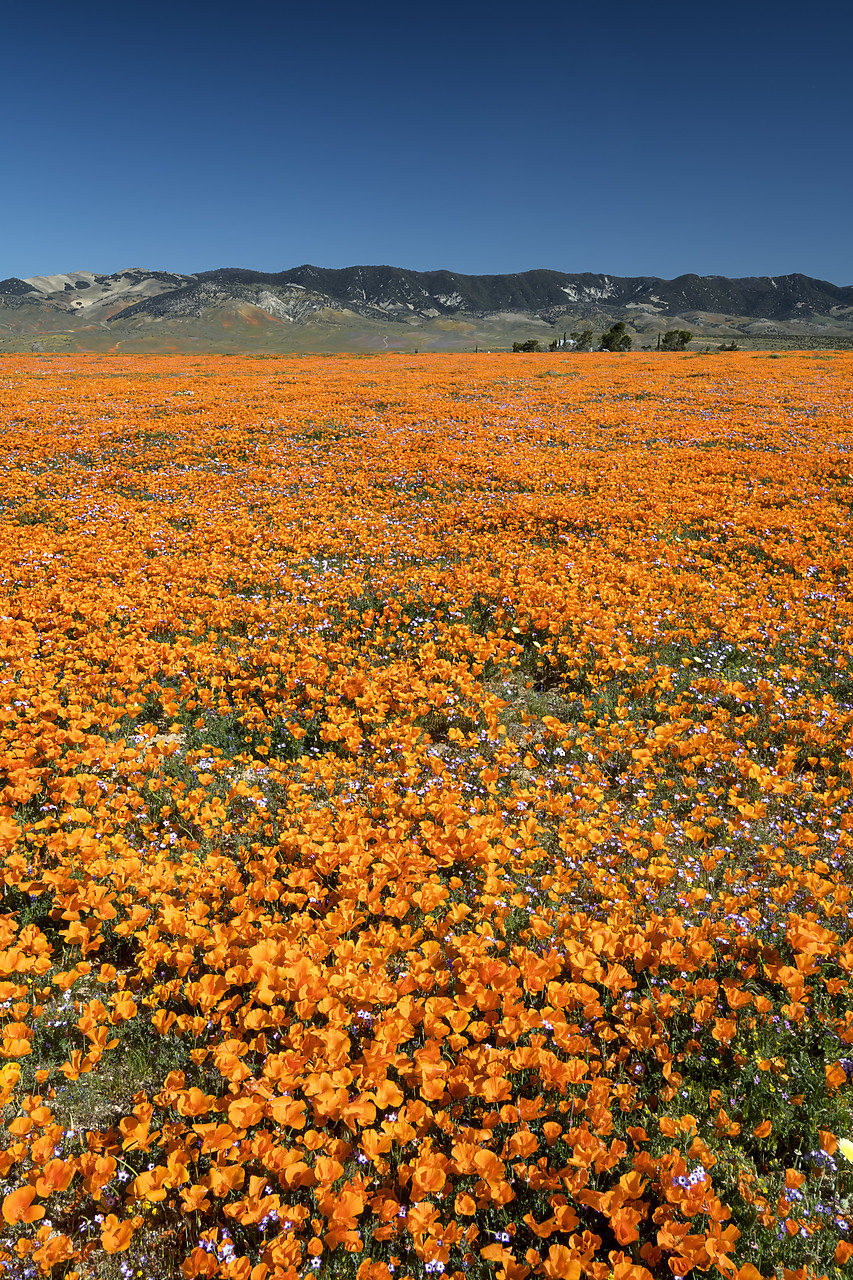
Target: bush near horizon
{"points": [[676, 340], [425, 821]]}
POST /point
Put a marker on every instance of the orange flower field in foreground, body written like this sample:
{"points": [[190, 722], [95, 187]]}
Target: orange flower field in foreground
{"points": [[425, 817]]}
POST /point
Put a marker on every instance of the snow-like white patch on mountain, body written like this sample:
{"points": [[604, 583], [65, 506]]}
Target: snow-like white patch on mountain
{"points": [[84, 290]]}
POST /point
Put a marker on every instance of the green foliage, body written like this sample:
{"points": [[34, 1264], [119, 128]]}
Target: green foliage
{"points": [[530, 345], [582, 339], [676, 340], [616, 338]]}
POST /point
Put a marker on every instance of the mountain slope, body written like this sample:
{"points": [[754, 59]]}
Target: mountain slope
{"points": [[358, 307], [394, 288]]}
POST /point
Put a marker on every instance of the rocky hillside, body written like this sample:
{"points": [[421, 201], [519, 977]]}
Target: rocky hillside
{"points": [[358, 307], [547, 294]]}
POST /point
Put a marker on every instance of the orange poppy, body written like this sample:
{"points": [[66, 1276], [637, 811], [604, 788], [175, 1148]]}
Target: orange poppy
{"points": [[115, 1235]]}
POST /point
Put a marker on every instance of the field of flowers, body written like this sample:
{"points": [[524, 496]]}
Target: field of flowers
{"points": [[425, 817]]}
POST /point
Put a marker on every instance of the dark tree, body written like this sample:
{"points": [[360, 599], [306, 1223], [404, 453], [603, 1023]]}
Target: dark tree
{"points": [[582, 339], [616, 338], [676, 340]]}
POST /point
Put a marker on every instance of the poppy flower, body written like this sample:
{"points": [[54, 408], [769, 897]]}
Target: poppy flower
{"points": [[56, 1175], [244, 1112], [19, 1206], [561, 1264], [115, 1235]]}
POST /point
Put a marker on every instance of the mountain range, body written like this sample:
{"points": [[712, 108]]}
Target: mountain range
{"points": [[390, 308]]}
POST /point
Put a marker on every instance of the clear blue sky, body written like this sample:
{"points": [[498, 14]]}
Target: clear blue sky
{"points": [[608, 135]]}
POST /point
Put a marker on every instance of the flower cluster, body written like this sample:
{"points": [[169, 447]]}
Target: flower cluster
{"points": [[425, 823]]}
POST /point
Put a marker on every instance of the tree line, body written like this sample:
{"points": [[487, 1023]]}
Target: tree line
{"points": [[616, 338]]}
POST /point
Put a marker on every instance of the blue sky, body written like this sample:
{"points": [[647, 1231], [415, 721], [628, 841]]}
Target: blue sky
{"points": [[632, 139]]}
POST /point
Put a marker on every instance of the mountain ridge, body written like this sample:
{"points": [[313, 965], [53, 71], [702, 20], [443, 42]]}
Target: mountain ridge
{"points": [[372, 303]]}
